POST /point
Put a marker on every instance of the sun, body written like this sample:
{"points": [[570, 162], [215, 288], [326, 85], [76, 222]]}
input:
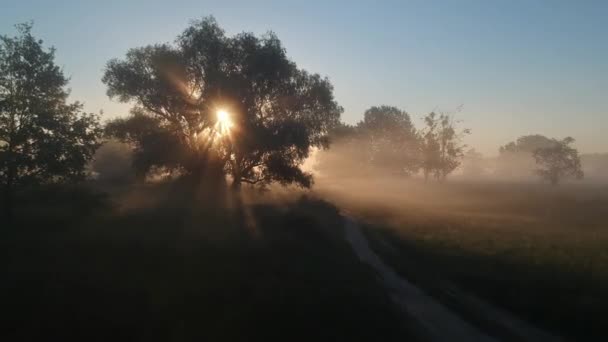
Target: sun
{"points": [[224, 123]]}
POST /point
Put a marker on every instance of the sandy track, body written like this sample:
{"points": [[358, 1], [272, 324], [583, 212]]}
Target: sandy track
{"points": [[440, 323]]}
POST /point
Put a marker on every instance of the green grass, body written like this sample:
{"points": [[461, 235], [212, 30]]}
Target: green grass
{"points": [[80, 265], [541, 253]]}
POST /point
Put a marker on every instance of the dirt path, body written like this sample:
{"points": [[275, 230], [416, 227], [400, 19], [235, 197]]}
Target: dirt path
{"points": [[440, 323]]}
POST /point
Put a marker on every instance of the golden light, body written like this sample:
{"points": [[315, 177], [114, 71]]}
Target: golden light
{"points": [[224, 123]]}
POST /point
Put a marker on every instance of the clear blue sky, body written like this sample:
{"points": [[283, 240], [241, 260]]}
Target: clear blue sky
{"points": [[518, 67]]}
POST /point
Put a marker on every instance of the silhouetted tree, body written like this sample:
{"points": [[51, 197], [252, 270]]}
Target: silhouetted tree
{"points": [[43, 138], [279, 112], [527, 143], [442, 148], [515, 159], [558, 161], [154, 144], [389, 140]]}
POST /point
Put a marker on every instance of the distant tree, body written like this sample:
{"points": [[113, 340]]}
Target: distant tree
{"points": [[527, 144], [278, 112], [43, 138], [389, 140], [473, 164], [558, 161], [442, 147], [515, 159]]}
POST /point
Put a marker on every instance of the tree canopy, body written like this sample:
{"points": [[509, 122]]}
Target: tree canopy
{"points": [[558, 161], [527, 144], [278, 112], [386, 142], [43, 138], [442, 147], [516, 159], [389, 139]]}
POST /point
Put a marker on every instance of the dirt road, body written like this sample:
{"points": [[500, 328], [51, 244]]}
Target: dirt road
{"points": [[439, 322]]}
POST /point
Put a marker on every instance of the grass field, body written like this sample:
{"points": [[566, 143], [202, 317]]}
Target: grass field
{"points": [[154, 264], [540, 252], [163, 262]]}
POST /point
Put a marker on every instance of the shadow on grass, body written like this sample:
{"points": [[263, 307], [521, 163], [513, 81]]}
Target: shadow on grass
{"points": [[77, 267]]}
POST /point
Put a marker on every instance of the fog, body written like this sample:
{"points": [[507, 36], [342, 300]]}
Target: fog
{"points": [[502, 191]]}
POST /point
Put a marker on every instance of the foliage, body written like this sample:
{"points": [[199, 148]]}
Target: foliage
{"points": [[558, 161], [384, 142], [153, 143], [515, 159], [442, 148], [526, 144], [43, 138], [279, 112], [389, 139]]}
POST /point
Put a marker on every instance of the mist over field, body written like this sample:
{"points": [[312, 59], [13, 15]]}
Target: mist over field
{"points": [[305, 182]]}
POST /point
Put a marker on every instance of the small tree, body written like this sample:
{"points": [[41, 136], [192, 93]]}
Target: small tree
{"points": [[43, 138], [558, 161], [442, 147]]}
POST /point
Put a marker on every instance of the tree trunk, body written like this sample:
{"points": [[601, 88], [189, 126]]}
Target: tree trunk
{"points": [[236, 174], [9, 199], [236, 184], [9, 191]]}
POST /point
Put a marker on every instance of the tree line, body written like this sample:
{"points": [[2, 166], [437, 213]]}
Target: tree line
{"points": [[386, 141], [279, 113]]}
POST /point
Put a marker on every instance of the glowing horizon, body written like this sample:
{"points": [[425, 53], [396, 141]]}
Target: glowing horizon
{"points": [[517, 67]]}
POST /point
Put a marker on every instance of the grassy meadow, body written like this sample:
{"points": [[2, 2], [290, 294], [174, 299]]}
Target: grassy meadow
{"points": [[541, 252]]}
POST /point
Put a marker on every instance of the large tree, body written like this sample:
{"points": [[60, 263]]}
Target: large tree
{"points": [[277, 111], [558, 161], [43, 138]]}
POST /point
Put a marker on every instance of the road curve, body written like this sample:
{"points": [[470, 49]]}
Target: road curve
{"points": [[439, 322]]}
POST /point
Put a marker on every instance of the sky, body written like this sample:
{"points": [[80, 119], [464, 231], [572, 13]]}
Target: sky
{"points": [[515, 67]]}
